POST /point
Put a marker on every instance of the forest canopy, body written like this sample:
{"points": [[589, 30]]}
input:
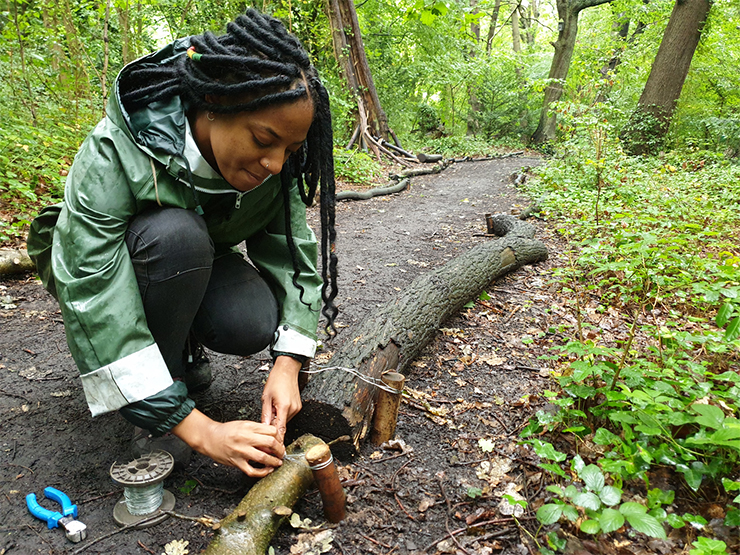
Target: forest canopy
{"points": [[463, 73]]}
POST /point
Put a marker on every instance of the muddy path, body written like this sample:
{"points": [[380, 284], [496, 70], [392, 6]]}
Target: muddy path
{"points": [[471, 391]]}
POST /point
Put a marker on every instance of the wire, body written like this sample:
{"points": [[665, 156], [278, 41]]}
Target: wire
{"points": [[364, 377]]}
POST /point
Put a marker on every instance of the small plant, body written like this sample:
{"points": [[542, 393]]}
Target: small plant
{"points": [[596, 506], [354, 166]]}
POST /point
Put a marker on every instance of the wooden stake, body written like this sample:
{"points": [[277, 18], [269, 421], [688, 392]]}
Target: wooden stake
{"points": [[489, 224], [325, 475], [386, 409]]}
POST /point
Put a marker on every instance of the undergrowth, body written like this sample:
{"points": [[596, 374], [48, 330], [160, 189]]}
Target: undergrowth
{"points": [[655, 254]]}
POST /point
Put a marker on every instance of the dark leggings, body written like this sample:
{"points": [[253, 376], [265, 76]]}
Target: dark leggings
{"points": [[224, 301]]}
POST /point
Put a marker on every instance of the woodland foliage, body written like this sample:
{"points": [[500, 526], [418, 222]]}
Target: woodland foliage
{"points": [[460, 63]]}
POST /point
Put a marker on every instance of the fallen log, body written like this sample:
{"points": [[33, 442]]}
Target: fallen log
{"points": [[370, 193], [428, 158], [419, 171], [15, 261], [336, 402], [250, 527]]}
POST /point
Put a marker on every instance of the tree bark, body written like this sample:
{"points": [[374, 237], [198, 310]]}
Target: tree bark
{"points": [[568, 11], [652, 117], [492, 26], [250, 527], [349, 51], [516, 37], [336, 403]]}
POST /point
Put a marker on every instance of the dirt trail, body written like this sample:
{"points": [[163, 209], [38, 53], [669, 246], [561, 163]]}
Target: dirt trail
{"points": [[471, 384]]}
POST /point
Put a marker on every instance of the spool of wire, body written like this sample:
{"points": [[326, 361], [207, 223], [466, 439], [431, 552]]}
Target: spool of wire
{"points": [[144, 495]]}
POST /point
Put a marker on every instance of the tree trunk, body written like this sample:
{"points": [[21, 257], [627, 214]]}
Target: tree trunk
{"points": [[104, 73], [492, 26], [516, 38], [349, 51], [568, 11], [649, 123], [124, 25], [473, 123], [250, 527], [336, 403]]}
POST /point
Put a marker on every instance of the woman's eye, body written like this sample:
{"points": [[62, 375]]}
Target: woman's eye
{"points": [[260, 143]]}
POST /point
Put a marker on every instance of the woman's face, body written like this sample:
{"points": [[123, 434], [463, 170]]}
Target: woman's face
{"points": [[248, 147]]}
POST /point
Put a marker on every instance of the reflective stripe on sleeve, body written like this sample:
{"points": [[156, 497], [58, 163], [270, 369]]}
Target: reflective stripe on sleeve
{"points": [[125, 381]]}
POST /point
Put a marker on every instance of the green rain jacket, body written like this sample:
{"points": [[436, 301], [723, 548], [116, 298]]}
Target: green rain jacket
{"points": [[130, 163]]}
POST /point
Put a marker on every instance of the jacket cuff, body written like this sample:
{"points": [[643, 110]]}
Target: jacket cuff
{"points": [[161, 412], [289, 341], [125, 381]]}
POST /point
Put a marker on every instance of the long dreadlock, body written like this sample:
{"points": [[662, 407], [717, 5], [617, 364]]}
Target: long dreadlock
{"points": [[257, 63]]}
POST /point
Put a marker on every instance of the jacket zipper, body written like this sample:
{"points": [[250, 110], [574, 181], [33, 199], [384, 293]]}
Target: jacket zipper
{"points": [[239, 196]]}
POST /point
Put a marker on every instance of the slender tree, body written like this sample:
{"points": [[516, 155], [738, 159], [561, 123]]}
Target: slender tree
{"points": [[652, 117], [568, 12], [349, 51]]}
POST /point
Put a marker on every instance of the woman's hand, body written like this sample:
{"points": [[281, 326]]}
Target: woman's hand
{"points": [[236, 443], [281, 399]]}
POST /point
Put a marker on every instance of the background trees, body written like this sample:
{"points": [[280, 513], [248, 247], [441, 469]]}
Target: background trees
{"points": [[440, 68]]}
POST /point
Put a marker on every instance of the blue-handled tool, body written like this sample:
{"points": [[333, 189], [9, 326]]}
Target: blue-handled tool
{"points": [[75, 530]]}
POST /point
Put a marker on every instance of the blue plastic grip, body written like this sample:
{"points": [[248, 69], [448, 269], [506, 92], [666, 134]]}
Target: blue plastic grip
{"points": [[61, 498], [51, 518]]}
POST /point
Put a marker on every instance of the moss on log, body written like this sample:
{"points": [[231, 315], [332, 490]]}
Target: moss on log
{"points": [[249, 529], [336, 403]]}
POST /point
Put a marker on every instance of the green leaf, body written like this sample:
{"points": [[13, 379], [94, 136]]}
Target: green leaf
{"points": [[675, 521], [724, 314], [730, 485], [474, 493], [709, 415], [590, 526], [554, 468], [732, 518], [592, 477], [587, 500], [571, 513], [610, 495], [646, 524], [631, 508], [577, 464], [549, 514], [611, 520], [733, 329], [547, 451]]}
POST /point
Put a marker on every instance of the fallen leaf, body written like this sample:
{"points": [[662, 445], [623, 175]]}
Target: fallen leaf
{"points": [[493, 471], [492, 360], [486, 445], [425, 504], [313, 544], [376, 455], [176, 547]]}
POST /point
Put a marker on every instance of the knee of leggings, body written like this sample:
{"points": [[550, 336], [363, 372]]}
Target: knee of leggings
{"points": [[176, 234]]}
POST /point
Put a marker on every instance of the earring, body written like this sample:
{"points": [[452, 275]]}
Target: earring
{"points": [[210, 116], [267, 165]]}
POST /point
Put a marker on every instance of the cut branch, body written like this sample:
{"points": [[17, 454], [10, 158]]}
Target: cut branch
{"points": [[15, 262], [249, 529]]}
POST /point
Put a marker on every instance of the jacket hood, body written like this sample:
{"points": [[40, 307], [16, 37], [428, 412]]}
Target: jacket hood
{"points": [[159, 128]]}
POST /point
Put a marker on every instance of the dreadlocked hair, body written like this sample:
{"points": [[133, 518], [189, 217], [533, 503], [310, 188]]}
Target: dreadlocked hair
{"points": [[257, 64]]}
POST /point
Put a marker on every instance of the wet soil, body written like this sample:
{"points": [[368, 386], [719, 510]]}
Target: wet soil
{"points": [[470, 392]]}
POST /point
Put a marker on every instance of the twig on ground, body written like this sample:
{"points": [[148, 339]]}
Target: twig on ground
{"points": [[454, 539], [387, 458], [395, 495], [440, 480], [145, 548], [376, 542], [397, 472], [476, 525]]}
